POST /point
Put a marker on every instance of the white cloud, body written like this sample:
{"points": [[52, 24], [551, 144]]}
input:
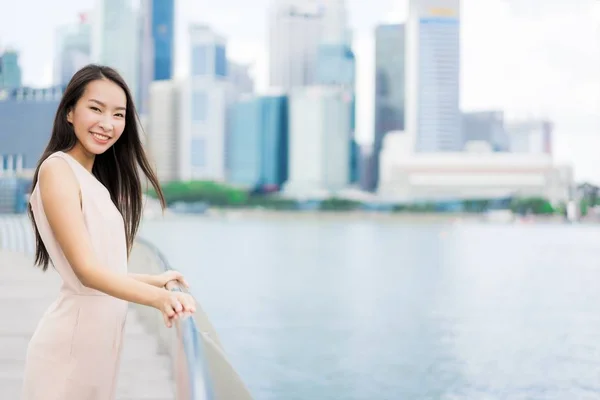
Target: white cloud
{"points": [[398, 13]]}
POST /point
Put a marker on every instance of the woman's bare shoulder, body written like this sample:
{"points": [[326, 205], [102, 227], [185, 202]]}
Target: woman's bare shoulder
{"points": [[56, 179]]}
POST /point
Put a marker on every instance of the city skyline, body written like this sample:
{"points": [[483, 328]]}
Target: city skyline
{"points": [[551, 69]]}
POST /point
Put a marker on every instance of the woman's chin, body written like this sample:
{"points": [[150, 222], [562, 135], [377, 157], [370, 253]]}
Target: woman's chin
{"points": [[97, 149]]}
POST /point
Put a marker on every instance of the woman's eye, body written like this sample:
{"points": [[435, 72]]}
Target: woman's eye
{"points": [[95, 108], [120, 115]]}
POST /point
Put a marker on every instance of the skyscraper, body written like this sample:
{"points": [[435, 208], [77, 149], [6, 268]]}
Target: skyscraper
{"points": [[164, 141], [294, 38], [73, 49], [335, 28], [433, 118], [116, 39], [258, 146], [205, 98], [26, 117], [156, 32], [10, 70], [318, 142], [336, 65], [389, 89], [163, 31], [146, 57]]}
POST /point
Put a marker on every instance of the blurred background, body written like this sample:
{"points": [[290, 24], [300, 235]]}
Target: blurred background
{"points": [[372, 199]]}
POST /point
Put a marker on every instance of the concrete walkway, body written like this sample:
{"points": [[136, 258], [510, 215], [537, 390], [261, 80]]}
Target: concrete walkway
{"points": [[26, 292]]}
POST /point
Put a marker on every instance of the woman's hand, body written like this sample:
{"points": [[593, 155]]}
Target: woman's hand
{"points": [[175, 305], [172, 275]]}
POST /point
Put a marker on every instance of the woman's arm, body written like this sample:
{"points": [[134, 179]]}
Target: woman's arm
{"points": [[59, 192], [160, 280], [153, 280]]}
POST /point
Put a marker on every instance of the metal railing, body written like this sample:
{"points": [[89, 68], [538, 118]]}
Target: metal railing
{"points": [[201, 370]]}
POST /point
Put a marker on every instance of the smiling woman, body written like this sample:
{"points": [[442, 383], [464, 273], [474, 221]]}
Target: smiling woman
{"points": [[86, 206], [103, 121]]}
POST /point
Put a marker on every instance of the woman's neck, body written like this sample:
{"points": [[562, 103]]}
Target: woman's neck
{"points": [[82, 156]]}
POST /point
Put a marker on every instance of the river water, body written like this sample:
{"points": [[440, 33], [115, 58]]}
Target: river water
{"points": [[370, 310]]}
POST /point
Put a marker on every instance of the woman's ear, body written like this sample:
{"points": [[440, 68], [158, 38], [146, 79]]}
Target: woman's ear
{"points": [[70, 116]]}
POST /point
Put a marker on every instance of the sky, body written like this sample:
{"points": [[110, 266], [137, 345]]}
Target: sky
{"points": [[527, 57]]}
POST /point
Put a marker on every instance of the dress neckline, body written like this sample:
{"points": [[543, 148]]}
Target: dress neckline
{"points": [[91, 175]]}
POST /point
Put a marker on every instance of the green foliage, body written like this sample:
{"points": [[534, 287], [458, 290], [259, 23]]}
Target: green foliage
{"points": [[532, 205], [337, 204], [584, 206], [220, 195], [202, 191], [415, 208], [271, 202], [476, 206]]}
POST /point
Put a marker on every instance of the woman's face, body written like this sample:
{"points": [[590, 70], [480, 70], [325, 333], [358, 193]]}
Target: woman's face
{"points": [[98, 118]]}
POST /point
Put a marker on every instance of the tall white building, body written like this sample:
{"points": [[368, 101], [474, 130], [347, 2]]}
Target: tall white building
{"points": [[163, 129], [146, 56], [335, 28], [295, 29], [318, 141], [115, 38], [204, 101], [433, 117], [73, 49]]}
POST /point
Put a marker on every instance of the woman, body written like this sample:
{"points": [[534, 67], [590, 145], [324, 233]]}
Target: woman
{"points": [[86, 206]]}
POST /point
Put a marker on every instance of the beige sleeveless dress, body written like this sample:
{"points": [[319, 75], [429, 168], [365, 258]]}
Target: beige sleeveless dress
{"points": [[74, 353]]}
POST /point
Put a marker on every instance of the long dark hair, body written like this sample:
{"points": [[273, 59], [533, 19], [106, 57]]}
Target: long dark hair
{"points": [[117, 168]]}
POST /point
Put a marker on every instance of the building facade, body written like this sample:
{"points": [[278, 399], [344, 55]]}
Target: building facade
{"points": [[73, 50], [205, 98], [240, 78], [532, 136], [389, 89], [485, 126], [295, 32], [116, 39], [146, 57], [26, 119], [156, 33], [163, 34], [433, 117], [10, 70], [258, 145], [163, 130], [318, 143], [407, 176]]}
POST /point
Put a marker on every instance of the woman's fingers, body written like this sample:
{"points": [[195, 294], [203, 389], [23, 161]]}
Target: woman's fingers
{"points": [[176, 304], [180, 306], [188, 303], [167, 319]]}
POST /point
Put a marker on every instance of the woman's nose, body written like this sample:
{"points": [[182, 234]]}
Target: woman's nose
{"points": [[105, 125]]}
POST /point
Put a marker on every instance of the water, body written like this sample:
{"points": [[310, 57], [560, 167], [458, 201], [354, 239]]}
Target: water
{"points": [[387, 310]]}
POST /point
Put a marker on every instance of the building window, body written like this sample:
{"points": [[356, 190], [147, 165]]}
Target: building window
{"points": [[220, 61], [199, 106], [198, 150], [199, 60]]}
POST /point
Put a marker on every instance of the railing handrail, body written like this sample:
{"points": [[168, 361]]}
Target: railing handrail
{"points": [[208, 374], [187, 332]]}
